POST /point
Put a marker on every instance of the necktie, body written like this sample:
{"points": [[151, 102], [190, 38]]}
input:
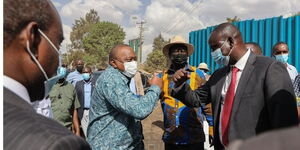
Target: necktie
{"points": [[227, 108]]}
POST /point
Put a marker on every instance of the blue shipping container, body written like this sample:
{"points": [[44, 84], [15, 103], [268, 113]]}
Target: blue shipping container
{"points": [[266, 33]]}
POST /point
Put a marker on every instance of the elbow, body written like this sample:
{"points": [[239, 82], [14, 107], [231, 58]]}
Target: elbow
{"points": [[141, 115]]}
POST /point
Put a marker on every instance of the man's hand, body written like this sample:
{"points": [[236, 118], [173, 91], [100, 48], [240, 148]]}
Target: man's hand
{"points": [[180, 76], [77, 133], [155, 80]]}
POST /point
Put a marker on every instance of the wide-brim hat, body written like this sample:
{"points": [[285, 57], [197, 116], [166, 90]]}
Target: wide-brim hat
{"points": [[203, 66], [178, 40]]}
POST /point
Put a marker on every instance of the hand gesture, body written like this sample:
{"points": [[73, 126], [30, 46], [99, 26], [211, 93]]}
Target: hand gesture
{"points": [[180, 76], [155, 80]]}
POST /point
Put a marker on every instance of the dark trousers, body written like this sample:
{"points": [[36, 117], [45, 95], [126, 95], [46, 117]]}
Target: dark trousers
{"points": [[196, 146]]}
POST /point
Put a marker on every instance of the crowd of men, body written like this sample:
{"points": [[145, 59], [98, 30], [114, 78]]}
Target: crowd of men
{"points": [[250, 102]]}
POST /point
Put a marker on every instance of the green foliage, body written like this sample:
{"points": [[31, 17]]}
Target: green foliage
{"points": [[156, 60], [103, 36], [81, 28], [92, 40], [231, 20], [159, 43]]}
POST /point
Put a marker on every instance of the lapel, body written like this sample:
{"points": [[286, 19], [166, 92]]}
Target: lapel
{"points": [[243, 82], [12, 99], [217, 90]]}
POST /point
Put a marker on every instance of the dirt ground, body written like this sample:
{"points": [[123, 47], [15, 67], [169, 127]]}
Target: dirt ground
{"points": [[153, 130]]}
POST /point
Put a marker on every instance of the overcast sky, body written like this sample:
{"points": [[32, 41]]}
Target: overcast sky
{"points": [[169, 17]]}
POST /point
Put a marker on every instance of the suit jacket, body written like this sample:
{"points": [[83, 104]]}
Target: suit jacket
{"points": [[24, 129], [264, 98], [80, 94], [286, 139]]}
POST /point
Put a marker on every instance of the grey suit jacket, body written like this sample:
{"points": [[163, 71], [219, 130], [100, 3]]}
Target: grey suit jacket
{"points": [[24, 129], [285, 139], [264, 98]]}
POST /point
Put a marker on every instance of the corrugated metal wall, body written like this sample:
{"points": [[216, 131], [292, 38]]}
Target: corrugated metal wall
{"points": [[266, 33]]}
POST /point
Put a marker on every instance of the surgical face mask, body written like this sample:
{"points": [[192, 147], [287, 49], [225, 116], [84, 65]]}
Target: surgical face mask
{"points": [[48, 84], [282, 58], [219, 58], [130, 69], [86, 76], [62, 71]]}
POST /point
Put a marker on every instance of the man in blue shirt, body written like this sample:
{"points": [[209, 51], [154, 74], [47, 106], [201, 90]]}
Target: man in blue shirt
{"points": [[281, 53], [84, 90], [115, 112], [75, 76]]}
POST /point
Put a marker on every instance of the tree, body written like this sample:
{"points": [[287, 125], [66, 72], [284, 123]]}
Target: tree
{"points": [[82, 27], [159, 43], [100, 39], [231, 20], [156, 60]]}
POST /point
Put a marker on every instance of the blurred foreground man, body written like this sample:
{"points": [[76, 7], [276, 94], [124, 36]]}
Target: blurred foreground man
{"points": [[116, 112], [284, 139], [250, 95], [32, 35], [183, 126]]}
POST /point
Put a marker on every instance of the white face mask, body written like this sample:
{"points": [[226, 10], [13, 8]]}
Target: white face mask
{"points": [[130, 69], [48, 84]]}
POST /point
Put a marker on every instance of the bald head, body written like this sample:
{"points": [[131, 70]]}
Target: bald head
{"points": [[116, 50], [226, 30], [254, 47], [120, 54], [228, 38]]}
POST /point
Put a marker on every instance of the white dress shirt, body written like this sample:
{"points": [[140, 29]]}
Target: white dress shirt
{"points": [[16, 87], [292, 71], [43, 107], [240, 65]]}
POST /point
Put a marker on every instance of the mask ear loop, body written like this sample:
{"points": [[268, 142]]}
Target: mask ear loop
{"points": [[49, 41], [35, 60]]}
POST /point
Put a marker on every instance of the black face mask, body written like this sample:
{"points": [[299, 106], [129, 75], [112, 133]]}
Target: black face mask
{"points": [[179, 59], [79, 68]]}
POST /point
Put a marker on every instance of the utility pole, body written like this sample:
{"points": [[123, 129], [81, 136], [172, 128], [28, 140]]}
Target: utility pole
{"points": [[142, 29]]}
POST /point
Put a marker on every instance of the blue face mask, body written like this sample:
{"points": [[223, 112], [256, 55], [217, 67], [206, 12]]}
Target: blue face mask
{"points": [[48, 84], [219, 58], [282, 58], [62, 71], [86, 76]]}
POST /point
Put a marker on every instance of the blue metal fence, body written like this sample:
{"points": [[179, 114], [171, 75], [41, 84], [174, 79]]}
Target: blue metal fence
{"points": [[266, 33]]}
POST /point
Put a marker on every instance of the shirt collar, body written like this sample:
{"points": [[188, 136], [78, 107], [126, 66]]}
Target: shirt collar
{"points": [[242, 62], [16, 87], [88, 82], [289, 66]]}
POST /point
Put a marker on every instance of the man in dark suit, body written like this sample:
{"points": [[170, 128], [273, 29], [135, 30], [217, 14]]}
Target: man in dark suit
{"points": [[32, 35], [84, 90], [250, 95]]}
